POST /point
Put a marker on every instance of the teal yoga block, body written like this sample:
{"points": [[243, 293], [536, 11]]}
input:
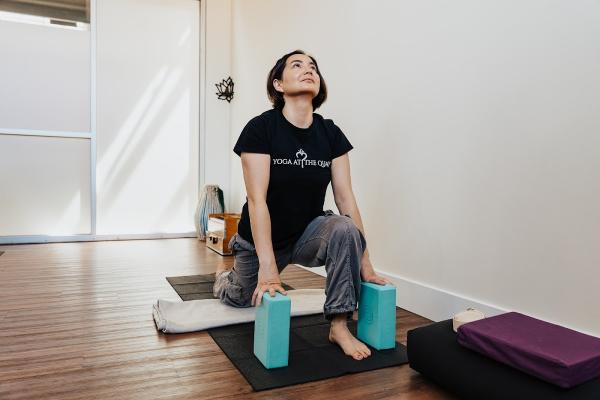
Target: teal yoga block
{"points": [[272, 331], [377, 315]]}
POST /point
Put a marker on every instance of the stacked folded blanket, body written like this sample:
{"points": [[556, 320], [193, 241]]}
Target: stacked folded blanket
{"points": [[198, 315]]}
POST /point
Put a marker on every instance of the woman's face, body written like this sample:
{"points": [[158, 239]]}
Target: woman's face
{"points": [[299, 77]]}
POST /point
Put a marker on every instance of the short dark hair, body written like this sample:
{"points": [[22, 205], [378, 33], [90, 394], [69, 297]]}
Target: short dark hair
{"points": [[277, 73]]}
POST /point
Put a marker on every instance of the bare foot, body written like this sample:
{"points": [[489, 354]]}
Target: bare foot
{"points": [[219, 283], [339, 334]]}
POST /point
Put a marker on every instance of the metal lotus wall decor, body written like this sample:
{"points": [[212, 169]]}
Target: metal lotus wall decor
{"points": [[225, 89]]}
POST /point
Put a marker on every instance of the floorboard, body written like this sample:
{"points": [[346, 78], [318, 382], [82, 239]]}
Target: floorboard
{"points": [[77, 324]]}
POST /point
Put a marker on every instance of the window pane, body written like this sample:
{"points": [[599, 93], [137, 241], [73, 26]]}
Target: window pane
{"points": [[45, 78], [44, 186], [61, 10]]}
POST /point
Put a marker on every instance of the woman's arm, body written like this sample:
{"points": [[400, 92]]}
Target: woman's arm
{"points": [[346, 204], [256, 168]]}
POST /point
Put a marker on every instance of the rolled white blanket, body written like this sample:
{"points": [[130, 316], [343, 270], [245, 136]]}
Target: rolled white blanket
{"points": [[199, 315], [464, 317]]}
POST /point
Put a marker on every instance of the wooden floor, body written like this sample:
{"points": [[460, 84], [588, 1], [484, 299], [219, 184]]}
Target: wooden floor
{"points": [[76, 323]]}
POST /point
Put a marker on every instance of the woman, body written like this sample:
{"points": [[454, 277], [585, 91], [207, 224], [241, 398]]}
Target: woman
{"points": [[289, 155]]}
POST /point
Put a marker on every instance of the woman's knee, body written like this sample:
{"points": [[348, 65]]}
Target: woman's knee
{"points": [[342, 226], [235, 295], [235, 287]]}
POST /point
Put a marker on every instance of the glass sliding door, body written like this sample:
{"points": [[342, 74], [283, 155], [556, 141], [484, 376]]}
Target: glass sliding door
{"points": [[45, 121], [148, 116], [99, 120]]}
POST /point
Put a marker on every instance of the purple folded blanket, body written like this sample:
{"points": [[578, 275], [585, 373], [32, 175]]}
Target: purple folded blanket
{"points": [[553, 353]]}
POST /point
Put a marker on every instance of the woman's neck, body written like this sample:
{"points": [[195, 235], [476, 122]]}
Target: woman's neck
{"points": [[298, 111]]}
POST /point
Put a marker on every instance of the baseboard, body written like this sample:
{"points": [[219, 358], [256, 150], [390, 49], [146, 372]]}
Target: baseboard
{"points": [[434, 303], [8, 240], [438, 304], [427, 301]]}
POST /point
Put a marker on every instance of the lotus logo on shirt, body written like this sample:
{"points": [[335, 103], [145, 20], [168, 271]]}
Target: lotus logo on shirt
{"points": [[301, 155], [301, 160]]}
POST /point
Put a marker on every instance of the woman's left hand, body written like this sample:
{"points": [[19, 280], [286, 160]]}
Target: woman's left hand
{"points": [[367, 274]]}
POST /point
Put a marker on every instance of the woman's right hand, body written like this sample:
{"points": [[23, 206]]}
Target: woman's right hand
{"points": [[268, 281]]}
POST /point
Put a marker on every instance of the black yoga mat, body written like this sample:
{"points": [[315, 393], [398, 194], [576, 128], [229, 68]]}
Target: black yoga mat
{"points": [[312, 356], [197, 287]]}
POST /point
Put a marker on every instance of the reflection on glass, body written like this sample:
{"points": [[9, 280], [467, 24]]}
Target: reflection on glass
{"points": [[69, 13]]}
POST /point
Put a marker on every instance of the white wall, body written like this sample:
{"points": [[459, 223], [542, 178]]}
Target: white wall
{"points": [[475, 131], [44, 185]]}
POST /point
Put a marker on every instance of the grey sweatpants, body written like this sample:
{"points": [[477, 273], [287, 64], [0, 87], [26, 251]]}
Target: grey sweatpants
{"points": [[331, 240]]}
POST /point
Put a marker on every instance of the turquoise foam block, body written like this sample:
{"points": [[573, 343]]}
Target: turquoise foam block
{"points": [[272, 331], [377, 315]]}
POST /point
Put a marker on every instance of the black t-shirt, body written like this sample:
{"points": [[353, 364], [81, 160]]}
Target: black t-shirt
{"points": [[300, 170]]}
